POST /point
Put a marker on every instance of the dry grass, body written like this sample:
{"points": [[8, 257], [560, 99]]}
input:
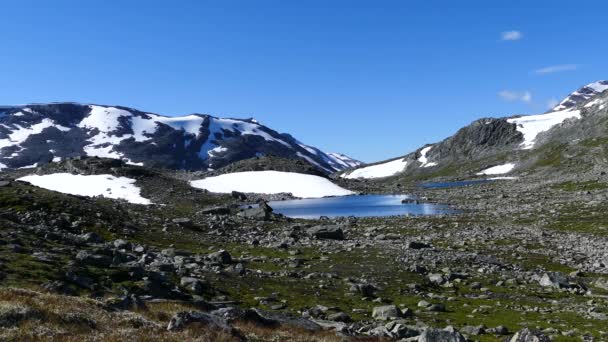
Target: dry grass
{"points": [[27, 315]]}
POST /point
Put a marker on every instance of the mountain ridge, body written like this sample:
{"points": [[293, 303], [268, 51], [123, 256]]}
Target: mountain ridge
{"points": [[35, 134], [488, 138]]}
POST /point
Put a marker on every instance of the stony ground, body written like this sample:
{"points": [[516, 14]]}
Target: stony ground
{"points": [[529, 253]]}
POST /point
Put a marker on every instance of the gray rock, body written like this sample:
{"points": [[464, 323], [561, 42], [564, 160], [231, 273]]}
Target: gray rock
{"points": [[527, 335], [474, 330], [330, 232], [499, 330], [193, 285], [91, 237], [121, 244], [339, 317], [554, 279], [365, 290], [286, 319], [182, 319], [436, 278], [238, 195], [220, 257], [261, 212], [219, 210], [438, 335], [183, 222], [87, 258], [386, 312]]}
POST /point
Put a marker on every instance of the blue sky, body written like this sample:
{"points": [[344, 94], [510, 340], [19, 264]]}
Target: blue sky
{"points": [[372, 79]]}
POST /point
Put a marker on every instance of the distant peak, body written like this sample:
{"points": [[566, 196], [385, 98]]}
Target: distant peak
{"points": [[581, 95]]}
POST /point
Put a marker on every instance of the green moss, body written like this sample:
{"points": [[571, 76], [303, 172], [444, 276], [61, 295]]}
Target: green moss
{"points": [[580, 186]]}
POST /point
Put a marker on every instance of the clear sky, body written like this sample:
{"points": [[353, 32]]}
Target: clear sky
{"points": [[372, 79]]}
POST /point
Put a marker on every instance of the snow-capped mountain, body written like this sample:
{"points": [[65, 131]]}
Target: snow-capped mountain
{"points": [[486, 138], [40, 133], [581, 95]]}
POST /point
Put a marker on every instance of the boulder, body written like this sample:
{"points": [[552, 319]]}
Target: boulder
{"points": [[287, 319], [499, 330], [438, 335], [219, 210], [91, 237], [183, 222], [183, 319], [417, 245], [238, 195], [220, 257], [554, 279], [366, 290], [262, 212], [330, 232], [98, 260], [436, 278], [339, 317], [121, 244], [386, 312], [193, 285], [527, 335], [474, 330]]}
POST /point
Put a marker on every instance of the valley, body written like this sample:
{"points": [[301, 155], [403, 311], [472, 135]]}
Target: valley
{"points": [[199, 252]]}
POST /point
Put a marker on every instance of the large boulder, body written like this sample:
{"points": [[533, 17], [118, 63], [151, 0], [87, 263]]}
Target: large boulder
{"points": [[287, 319], [365, 290], [182, 319], [194, 285], [554, 279], [330, 232], [220, 257], [262, 212], [98, 260], [438, 335], [527, 335], [386, 312]]}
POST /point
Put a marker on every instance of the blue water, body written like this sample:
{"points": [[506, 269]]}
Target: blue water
{"points": [[437, 185], [358, 206]]}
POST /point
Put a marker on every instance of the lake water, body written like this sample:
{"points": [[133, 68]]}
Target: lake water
{"points": [[437, 185], [358, 206]]}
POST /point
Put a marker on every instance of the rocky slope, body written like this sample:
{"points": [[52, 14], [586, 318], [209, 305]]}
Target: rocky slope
{"points": [[527, 256], [520, 140], [41, 133]]}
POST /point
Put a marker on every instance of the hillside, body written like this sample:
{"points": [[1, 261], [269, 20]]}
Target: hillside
{"points": [[571, 133]]}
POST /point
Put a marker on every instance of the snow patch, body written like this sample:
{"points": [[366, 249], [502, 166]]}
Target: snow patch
{"points": [[581, 95], [595, 102], [311, 161], [89, 185], [21, 134], [599, 86], [498, 169], [272, 182], [378, 171], [423, 159], [532, 125], [344, 161]]}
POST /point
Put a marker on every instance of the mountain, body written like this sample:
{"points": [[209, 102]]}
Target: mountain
{"points": [[582, 95], [505, 144], [40, 133]]}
